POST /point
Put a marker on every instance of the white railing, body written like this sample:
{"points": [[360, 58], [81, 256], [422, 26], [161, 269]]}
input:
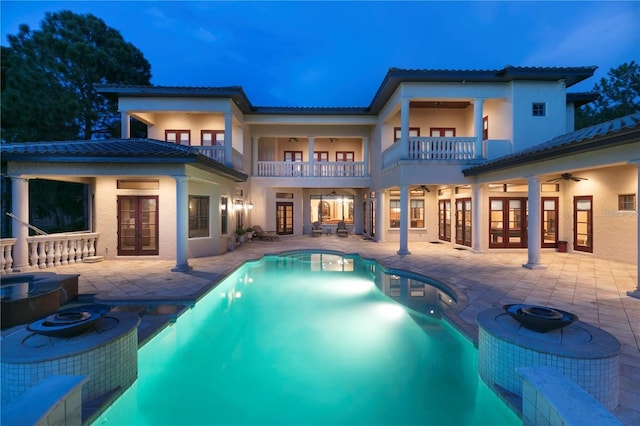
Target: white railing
{"points": [[432, 148], [216, 153], [47, 251], [442, 148], [6, 257], [305, 169]]}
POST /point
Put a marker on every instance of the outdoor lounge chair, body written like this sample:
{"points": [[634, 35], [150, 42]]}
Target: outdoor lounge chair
{"points": [[342, 230], [316, 229], [261, 234]]}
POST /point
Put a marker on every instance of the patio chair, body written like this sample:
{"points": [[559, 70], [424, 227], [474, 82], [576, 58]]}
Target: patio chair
{"points": [[342, 230], [316, 229], [261, 234]]}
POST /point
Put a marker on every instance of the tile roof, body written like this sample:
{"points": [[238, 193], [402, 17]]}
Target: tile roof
{"points": [[621, 130], [393, 78], [112, 151]]}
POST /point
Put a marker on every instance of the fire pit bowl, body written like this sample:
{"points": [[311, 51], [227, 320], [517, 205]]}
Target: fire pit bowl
{"points": [[70, 322], [540, 318]]}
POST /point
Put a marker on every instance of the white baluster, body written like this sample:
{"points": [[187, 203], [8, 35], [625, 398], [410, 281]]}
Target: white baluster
{"points": [[42, 254], [92, 248], [50, 250], [57, 252], [3, 261], [33, 253], [85, 248], [65, 251]]}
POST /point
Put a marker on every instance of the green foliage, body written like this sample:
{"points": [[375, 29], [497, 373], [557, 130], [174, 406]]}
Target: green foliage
{"points": [[48, 79], [58, 206], [619, 95]]}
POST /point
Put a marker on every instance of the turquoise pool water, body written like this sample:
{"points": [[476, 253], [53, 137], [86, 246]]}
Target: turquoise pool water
{"points": [[311, 339]]}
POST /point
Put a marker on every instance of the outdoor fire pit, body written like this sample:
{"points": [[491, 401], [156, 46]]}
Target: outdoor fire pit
{"points": [[540, 318]]}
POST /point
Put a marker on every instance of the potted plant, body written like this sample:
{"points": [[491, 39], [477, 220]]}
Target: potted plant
{"points": [[249, 233], [240, 234]]}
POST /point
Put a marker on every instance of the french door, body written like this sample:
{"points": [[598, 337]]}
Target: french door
{"points": [[284, 218], [137, 225], [583, 223], [508, 222], [549, 221], [444, 220], [463, 221]]}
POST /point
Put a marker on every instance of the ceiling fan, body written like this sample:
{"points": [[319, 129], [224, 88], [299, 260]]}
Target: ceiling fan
{"points": [[424, 188], [567, 176], [293, 139]]}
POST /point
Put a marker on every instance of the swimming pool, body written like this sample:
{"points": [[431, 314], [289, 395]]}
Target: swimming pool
{"points": [[311, 338]]}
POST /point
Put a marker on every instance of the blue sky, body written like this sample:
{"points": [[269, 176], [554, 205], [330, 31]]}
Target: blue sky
{"points": [[336, 53]]}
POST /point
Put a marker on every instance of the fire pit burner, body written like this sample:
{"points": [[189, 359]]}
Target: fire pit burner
{"points": [[70, 322], [540, 318]]}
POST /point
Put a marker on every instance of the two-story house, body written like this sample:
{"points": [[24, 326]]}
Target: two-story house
{"points": [[480, 159]]}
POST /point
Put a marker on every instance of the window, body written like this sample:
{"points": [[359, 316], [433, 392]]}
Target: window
{"points": [[180, 137], [332, 208], [627, 202], [293, 156], [198, 216], [485, 128], [416, 213], [414, 132], [321, 155], [539, 109], [224, 215], [447, 132], [344, 156], [212, 137], [394, 213], [138, 184]]}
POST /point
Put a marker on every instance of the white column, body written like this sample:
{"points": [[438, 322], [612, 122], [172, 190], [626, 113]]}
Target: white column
{"points": [[477, 125], [20, 208], [381, 206], [365, 155], [228, 139], [404, 127], [636, 292], [534, 225], [254, 155], [404, 220], [476, 217], [182, 224], [312, 158], [125, 125]]}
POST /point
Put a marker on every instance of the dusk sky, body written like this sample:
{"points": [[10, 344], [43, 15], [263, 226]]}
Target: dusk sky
{"points": [[337, 53]]}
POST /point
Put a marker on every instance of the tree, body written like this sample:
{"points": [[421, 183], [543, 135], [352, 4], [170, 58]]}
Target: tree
{"points": [[618, 96], [48, 78]]}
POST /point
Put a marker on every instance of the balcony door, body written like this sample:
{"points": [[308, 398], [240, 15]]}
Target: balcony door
{"points": [[137, 225], [284, 218]]}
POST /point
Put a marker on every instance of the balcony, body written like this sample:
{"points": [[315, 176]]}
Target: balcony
{"points": [[432, 148], [315, 169]]}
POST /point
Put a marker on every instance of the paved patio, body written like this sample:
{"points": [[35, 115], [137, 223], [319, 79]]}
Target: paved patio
{"points": [[596, 290]]}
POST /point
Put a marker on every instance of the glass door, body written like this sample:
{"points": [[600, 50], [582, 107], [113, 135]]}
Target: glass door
{"points": [[284, 218], [583, 224], [137, 225], [463, 221], [444, 220], [549, 221]]}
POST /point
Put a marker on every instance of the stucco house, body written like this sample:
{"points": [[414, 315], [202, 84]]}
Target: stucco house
{"points": [[478, 159]]}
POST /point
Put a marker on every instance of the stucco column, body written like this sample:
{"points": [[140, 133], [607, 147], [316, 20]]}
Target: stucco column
{"points": [[534, 225], [228, 139], [20, 208], [476, 217], [312, 158], [254, 155], [477, 125], [182, 224], [381, 205], [125, 125], [365, 155], [404, 128], [636, 292], [404, 220]]}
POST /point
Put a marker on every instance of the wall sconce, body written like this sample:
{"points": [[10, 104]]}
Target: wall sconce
{"points": [[250, 206]]}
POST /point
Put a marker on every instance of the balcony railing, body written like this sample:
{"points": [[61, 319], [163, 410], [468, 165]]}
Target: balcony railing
{"points": [[47, 251], [6, 257], [216, 153], [306, 169], [432, 148]]}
